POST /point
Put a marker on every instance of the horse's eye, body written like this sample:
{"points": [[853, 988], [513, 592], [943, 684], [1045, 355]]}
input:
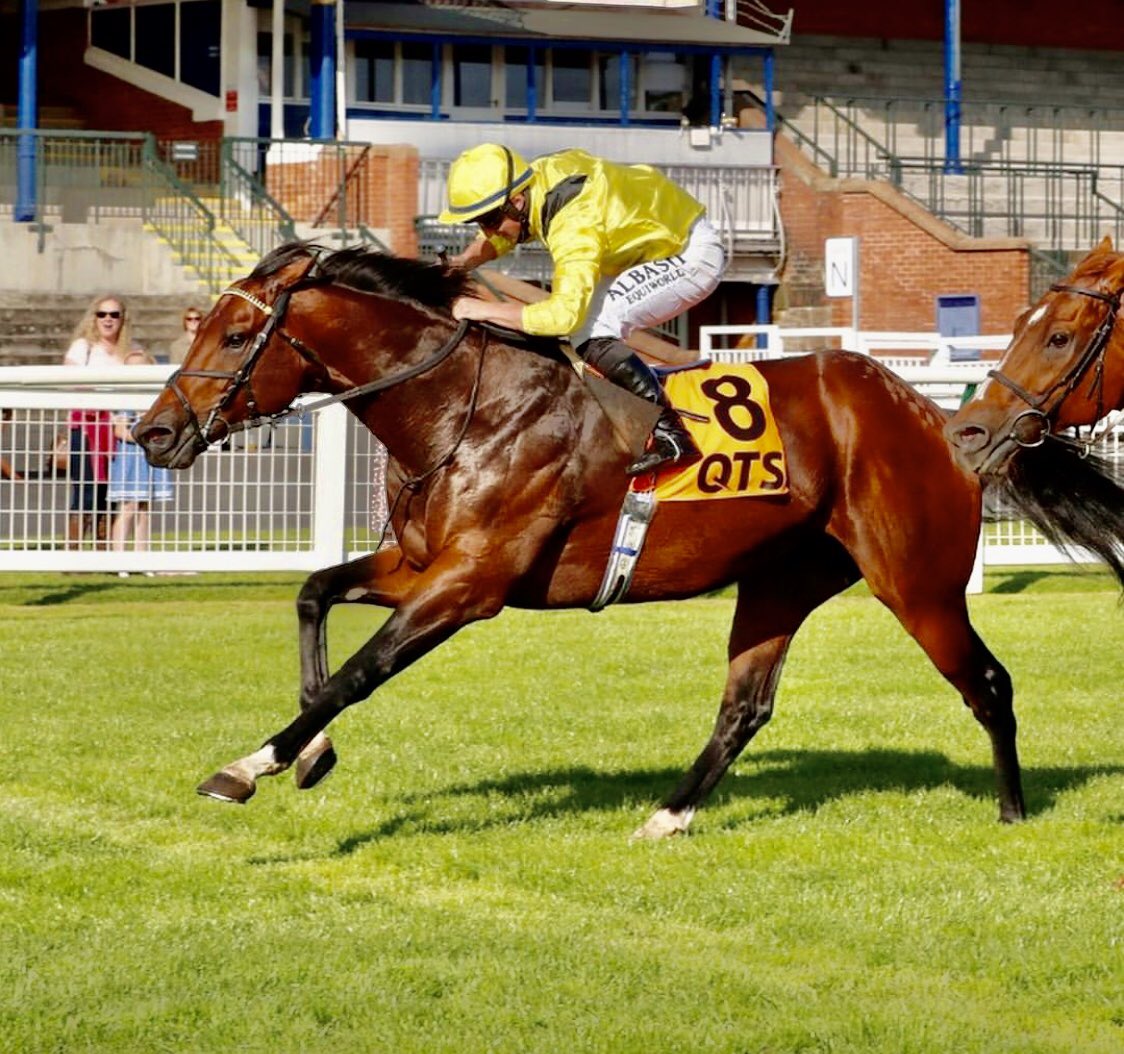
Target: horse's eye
{"points": [[235, 340], [1058, 340]]}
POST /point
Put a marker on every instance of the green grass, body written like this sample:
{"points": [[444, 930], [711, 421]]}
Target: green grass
{"points": [[465, 883]]}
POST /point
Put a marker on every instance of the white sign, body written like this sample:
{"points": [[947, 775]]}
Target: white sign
{"points": [[841, 266]]}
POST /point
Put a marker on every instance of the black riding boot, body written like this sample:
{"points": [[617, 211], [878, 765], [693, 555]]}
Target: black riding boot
{"points": [[671, 442]]}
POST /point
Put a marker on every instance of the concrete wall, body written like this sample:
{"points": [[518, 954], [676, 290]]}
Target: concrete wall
{"points": [[90, 258], [444, 140]]}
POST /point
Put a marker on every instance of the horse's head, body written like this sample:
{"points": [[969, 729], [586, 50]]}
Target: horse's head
{"points": [[243, 365], [1063, 367]]}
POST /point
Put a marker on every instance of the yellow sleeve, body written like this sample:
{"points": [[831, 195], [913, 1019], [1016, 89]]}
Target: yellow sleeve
{"points": [[577, 246]]}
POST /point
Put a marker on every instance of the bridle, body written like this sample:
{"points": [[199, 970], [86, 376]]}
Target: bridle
{"points": [[242, 377], [1043, 407]]}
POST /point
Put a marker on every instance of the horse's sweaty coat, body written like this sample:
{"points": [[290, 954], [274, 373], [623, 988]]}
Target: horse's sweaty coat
{"points": [[516, 486]]}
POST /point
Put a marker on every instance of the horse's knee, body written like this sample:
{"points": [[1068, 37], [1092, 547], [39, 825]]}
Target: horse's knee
{"points": [[312, 600]]}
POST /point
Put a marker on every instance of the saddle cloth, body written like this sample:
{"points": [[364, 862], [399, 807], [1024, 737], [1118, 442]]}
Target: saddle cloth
{"points": [[726, 409]]}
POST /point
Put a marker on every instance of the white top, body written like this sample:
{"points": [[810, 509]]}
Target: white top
{"points": [[82, 353]]}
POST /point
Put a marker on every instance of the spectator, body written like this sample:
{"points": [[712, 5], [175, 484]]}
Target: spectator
{"points": [[133, 483], [182, 344], [102, 338]]}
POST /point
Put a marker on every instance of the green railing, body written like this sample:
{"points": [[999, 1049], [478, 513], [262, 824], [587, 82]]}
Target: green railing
{"points": [[247, 207], [89, 177], [185, 223]]}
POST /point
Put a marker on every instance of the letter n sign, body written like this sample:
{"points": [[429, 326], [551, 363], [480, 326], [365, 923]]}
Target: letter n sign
{"points": [[841, 263]]}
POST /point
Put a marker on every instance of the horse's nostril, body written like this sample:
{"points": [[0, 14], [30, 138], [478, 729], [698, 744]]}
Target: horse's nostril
{"points": [[968, 437], [153, 437]]}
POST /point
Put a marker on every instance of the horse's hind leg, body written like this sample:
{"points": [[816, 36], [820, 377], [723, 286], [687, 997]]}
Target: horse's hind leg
{"points": [[771, 606], [381, 579], [945, 633]]}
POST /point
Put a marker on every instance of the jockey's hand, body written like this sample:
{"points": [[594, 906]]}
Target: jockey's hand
{"points": [[469, 307], [507, 313]]}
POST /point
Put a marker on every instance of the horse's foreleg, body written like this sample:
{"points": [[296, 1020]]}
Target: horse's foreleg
{"points": [[381, 578], [448, 595], [747, 704]]}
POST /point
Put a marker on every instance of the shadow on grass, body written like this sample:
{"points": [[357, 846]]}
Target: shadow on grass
{"points": [[798, 780]]}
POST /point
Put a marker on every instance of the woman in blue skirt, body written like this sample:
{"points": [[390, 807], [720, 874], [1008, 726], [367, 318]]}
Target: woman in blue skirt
{"points": [[133, 483]]}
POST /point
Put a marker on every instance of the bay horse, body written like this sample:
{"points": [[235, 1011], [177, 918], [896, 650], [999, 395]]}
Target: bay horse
{"points": [[1064, 369], [506, 478]]}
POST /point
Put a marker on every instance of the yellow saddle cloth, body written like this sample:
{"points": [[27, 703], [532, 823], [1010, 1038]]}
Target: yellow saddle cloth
{"points": [[726, 409]]}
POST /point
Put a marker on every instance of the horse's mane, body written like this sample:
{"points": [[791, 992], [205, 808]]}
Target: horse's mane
{"points": [[370, 271], [1073, 500]]}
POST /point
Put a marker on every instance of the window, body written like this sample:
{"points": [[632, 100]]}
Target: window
{"points": [[374, 71], [664, 77], [515, 77], [570, 79], [417, 73], [200, 32], [609, 67], [265, 65], [472, 75], [156, 38], [111, 30]]}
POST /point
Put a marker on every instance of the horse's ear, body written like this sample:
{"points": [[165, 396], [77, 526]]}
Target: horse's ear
{"points": [[1104, 245], [284, 277]]}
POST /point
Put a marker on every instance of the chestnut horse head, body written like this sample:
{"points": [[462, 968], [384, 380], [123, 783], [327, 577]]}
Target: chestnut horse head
{"points": [[1064, 369], [248, 361]]}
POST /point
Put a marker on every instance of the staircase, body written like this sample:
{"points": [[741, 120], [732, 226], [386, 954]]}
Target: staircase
{"points": [[211, 254]]}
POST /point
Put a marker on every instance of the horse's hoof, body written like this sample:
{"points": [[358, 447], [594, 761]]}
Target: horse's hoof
{"points": [[664, 824], [312, 768], [223, 786]]}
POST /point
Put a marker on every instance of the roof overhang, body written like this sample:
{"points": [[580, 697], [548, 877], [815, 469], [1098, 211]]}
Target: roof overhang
{"points": [[673, 29]]}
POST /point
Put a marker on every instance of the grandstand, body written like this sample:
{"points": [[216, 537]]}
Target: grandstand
{"points": [[186, 157]]}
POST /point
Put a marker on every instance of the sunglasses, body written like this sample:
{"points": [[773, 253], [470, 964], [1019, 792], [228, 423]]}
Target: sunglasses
{"points": [[193, 318], [490, 221], [108, 314]]}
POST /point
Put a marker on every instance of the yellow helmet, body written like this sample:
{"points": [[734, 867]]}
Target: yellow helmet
{"points": [[483, 178]]}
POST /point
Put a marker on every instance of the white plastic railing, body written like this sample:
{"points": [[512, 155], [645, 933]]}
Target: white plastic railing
{"points": [[311, 492], [298, 496]]}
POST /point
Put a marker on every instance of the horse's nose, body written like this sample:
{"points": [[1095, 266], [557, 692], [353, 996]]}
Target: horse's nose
{"points": [[968, 437], [155, 439]]}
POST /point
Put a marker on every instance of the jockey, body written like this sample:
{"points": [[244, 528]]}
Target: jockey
{"points": [[631, 249]]}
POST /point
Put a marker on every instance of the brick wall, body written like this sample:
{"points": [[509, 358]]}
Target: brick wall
{"points": [[383, 189], [907, 256], [1024, 22]]}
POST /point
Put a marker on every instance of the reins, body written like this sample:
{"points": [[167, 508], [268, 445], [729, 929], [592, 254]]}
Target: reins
{"points": [[242, 376], [1042, 407]]}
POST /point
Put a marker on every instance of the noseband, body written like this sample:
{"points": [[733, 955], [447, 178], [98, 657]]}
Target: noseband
{"points": [[1042, 407], [241, 377]]}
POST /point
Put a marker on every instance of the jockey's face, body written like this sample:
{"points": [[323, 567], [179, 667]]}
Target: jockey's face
{"points": [[507, 220]]}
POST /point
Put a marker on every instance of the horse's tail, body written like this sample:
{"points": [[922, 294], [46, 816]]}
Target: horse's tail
{"points": [[1073, 500]]}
